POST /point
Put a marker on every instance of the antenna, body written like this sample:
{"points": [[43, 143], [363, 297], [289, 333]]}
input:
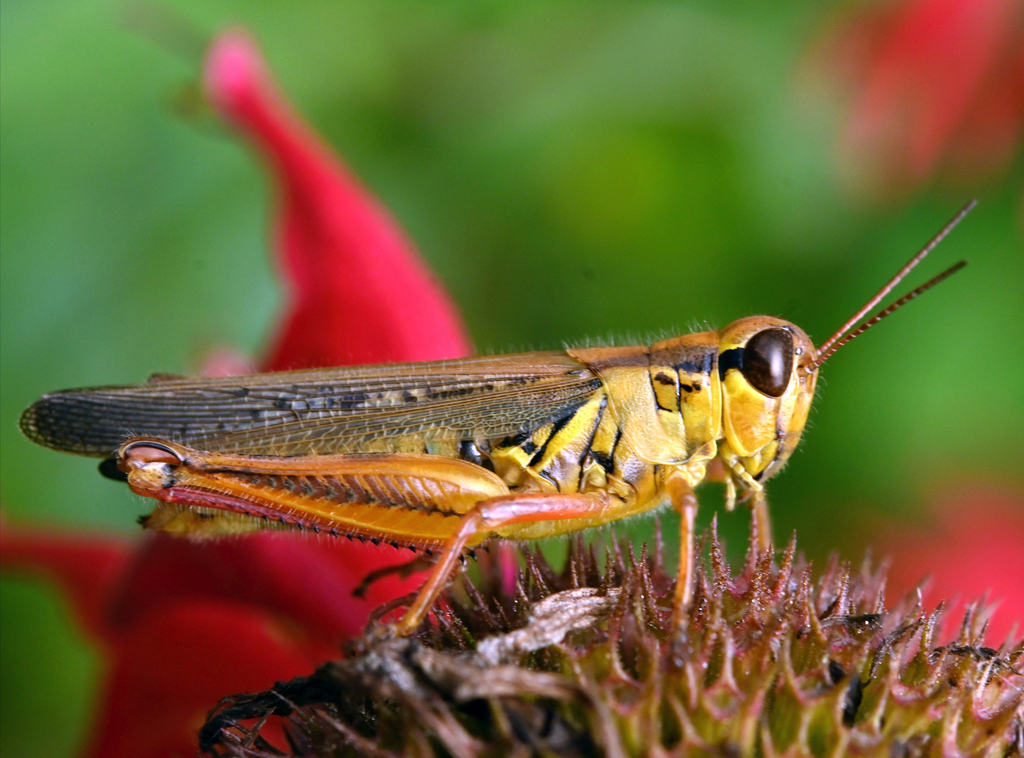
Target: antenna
{"points": [[837, 340]]}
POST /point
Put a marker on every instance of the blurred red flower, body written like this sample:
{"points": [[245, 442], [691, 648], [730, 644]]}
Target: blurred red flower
{"points": [[974, 548], [936, 90], [180, 624]]}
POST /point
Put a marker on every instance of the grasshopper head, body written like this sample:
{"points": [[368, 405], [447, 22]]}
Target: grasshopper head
{"points": [[768, 368]]}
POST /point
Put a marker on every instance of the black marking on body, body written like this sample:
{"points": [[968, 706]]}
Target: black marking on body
{"points": [[555, 429], [710, 361], [615, 446], [654, 392], [597, 424], [664, 378], [590, 441], [702, 367], [604, 460], [468, 451], [730, 359], [476, 453], [545, 475], [518, 440]]}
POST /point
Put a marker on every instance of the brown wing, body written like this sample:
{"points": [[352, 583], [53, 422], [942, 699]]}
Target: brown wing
{"points": [[321, 411]]}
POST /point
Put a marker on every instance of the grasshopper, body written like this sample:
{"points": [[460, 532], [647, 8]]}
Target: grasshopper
{"points": [[445, 455]]}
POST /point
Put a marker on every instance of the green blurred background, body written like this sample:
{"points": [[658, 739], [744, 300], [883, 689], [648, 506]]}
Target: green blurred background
{"points": [[570, 170]]}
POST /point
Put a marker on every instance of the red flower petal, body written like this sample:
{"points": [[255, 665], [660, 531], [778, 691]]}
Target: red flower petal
{"points": [[187, 623], [177, 662], [342, 254], [307, 580], [360, 293], [976, 546], [938, 88]]}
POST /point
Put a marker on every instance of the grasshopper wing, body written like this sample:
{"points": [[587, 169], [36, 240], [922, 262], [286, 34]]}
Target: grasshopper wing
{"points": [[319, 412]]}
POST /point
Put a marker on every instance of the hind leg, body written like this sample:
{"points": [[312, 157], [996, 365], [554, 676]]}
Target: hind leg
{"points": [[482, 520]]}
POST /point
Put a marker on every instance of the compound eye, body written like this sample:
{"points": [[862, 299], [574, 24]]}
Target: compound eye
{"points": [[768, 361]]}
